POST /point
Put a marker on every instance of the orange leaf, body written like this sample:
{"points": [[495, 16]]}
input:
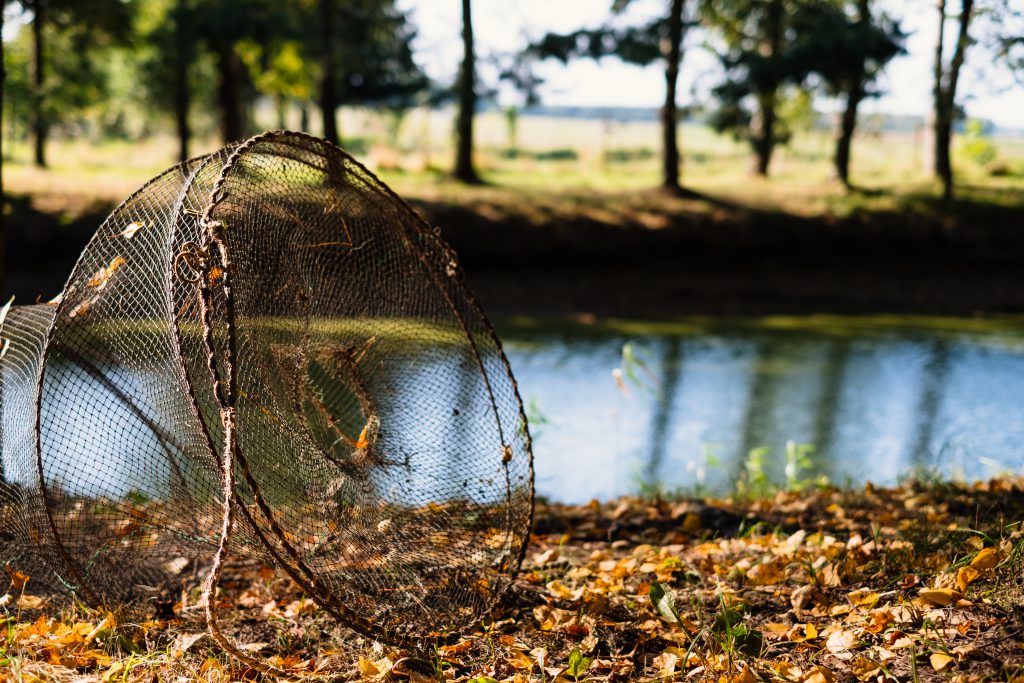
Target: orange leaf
{"points": [[987, 558], [942, 597], [456, 649], [18, 580], [965, 577]]}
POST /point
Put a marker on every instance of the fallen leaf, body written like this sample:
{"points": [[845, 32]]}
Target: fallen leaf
{"points": [[943, 597], [664, 600], [840, 641], [132, 228], [864, 598], [666, 663], [31, 602], [518, 659], [372, 669], [940, 661], [18, 579], [987, 558], [460, 648], [966, 576], [819, 674], [864, 669]]}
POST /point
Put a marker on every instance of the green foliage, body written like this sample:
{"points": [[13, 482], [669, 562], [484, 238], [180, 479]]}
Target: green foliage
{"points": [[975, 144], [535, 417], [774, 48], [84, 47], [732, 634], [373, 51], [578, 664], [664, 600], [755, 481], [798, 461]]}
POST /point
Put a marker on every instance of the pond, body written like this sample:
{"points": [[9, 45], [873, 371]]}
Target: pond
{"points": [[698, 405]]}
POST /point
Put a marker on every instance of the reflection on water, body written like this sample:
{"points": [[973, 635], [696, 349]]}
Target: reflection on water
{"points": [[878, 398]]}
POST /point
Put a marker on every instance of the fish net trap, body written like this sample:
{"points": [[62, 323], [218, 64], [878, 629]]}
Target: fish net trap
{"points": [[264, 353]]}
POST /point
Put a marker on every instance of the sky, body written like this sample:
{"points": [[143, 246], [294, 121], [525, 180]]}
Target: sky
{"points": [[988, 91]]}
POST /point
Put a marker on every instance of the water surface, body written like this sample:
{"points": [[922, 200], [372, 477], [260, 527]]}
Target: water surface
{"points": [[877, 398]]}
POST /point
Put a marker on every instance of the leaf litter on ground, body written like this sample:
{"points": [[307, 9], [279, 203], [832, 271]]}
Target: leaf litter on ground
{"points": [[919, 582]]}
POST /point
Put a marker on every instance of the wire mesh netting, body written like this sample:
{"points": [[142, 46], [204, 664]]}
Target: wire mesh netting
{"points": [[265, 353]]}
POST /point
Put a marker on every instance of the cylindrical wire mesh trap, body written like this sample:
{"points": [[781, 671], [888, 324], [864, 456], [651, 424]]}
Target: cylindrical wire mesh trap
{"points": [[265, 352]]}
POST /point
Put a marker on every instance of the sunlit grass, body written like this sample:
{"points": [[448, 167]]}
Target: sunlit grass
{"points": [[890, 170]]}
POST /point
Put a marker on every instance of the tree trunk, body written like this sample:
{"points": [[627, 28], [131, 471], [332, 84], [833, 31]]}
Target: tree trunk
{"points": [[943, 121], [464, 169], [39, 122], [945, 92], [328, 96], [281, 107], [304, 117], [228, 93], [182, 95], [763, 132], [669, 112], [854, 95]]}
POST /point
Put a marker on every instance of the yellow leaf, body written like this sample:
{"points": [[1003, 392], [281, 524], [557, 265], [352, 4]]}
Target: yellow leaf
{"points": [[940, 661], [114, 669], [864, 669], [864, 598], [560, 590], [745, 676], [965, 577], [691, 523], [101, 276], [819, 674], [766, 574], [987, 558], [368, 668], [942, 597], [787, 670]]}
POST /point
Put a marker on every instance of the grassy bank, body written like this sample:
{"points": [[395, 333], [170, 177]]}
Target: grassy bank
{"points": [[919, 583], [571, 236]]}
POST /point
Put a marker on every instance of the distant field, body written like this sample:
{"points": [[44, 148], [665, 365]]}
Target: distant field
{"points": [[562, 160]]}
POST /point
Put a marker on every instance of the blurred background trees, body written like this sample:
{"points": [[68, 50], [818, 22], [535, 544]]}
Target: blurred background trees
{"points": [[221, 69], [660, 40]]}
